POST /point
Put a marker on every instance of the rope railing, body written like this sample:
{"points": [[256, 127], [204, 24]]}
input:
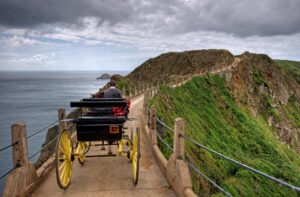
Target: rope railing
{"points": [[163, 141], [207, 178], [278, 181], [189, 163], [6, 173], [34, 154], [8, 146], [49, 143], [39, 131], [28, 137], [163, 124]]}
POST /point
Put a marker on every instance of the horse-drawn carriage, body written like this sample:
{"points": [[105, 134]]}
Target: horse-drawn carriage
{"points": [[101, 120]]}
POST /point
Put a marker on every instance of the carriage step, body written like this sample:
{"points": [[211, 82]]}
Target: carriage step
{"points": [[109, 155], [106, 144]]}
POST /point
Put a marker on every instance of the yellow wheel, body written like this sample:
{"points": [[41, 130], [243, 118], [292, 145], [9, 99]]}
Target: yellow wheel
{"points": [[64, 159], [135, 158], [81, 149]]}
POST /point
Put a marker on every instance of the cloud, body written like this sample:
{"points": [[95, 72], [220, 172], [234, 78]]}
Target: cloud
{"points": [[85, 32], [20, 41], [18, 13], [240, 18], [36, 60]]}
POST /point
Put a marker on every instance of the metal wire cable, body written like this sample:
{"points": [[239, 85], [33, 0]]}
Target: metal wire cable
{"points": [[163, 141], [43, 147], [207, 178], [244, 165], [8, 146], [68, 128], [5, 174], [162, 123], [39, 131]]}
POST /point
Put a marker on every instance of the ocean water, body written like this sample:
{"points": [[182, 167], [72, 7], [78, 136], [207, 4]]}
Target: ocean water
{"points": [[34, 97]]}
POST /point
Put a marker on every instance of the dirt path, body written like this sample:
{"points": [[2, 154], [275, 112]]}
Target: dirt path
{"points": [[112, 176]]}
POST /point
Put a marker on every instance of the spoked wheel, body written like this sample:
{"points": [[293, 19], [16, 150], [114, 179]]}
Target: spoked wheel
{"points": [[81, 150], [136, 156], [64, 159]]}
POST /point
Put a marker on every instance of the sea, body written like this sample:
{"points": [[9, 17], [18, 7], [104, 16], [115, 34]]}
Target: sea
{"points": [[34, 97]]}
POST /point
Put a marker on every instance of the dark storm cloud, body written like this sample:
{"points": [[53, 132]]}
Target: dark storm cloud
{"points": [[241, 18], [246, 17], [29, 13]]}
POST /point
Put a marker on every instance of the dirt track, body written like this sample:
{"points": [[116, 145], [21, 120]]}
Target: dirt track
{"points": [[112, 176]]}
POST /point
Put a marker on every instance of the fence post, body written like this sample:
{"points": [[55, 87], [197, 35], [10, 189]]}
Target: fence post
{"points": [[20, 179], [153, 124], [140, 89], [124, 93], [130, 93], [145, 103], [179, 127], [61, 116], [20, 150]]}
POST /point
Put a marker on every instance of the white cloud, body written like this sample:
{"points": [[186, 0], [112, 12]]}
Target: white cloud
{"points": [[19, 41], [36, 60]]}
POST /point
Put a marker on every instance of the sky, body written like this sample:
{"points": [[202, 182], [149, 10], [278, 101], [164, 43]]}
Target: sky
{"points": [[122, 34]]}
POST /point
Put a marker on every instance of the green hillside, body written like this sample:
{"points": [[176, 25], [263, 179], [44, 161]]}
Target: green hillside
{"points": [[291, 67], [213, 118]]}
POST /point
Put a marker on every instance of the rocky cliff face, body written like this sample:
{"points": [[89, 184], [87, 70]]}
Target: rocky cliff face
{"points": [[261, 87]]}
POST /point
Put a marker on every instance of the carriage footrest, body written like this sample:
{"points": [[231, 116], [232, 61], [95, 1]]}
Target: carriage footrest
{"points": [[109, 155]]}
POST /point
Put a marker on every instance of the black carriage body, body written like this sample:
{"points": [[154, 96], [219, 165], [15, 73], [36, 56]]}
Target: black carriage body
{"points": [[100, 128], [100, 123]]}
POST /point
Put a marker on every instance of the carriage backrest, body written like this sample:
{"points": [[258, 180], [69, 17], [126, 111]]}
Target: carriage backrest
{"points": [[103, 99], [99, 103]]}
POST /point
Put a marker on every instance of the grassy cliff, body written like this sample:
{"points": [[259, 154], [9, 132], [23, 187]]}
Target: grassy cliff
{"points": [[214, 118], [250, 111], [291, 67]]}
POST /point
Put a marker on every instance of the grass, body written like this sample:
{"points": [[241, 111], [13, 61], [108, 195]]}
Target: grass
{"points": [[213, 118], [291, 67]]}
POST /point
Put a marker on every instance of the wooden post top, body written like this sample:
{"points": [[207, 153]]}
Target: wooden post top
{"points": [[179, 129], [61, 116], [20, 150]]}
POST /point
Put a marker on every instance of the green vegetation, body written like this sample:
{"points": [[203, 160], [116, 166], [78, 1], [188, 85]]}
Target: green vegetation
{"points": [[213, 118], [292, 112], [268, 109], [291, 67], [258, 78]]}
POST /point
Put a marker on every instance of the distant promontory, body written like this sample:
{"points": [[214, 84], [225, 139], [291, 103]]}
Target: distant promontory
{"points": [[104, 76]]}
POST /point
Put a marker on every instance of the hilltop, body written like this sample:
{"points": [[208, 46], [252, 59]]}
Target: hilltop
{"points": [[177, 64], [258, 84]]}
